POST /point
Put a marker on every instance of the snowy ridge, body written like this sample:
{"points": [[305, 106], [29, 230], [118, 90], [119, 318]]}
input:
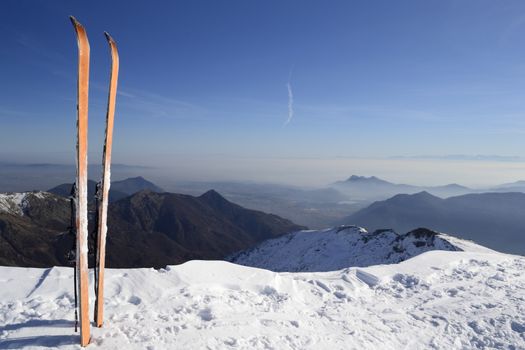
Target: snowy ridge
{"points": [[16, 203], [346, 246], [437, 300]]}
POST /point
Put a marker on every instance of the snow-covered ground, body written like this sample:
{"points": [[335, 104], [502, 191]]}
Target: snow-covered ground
{"points": [[345, 246], [436, 300]]}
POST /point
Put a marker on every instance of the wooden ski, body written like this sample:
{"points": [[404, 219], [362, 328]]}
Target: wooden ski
{"points": [[81, 180], [105, 183]]}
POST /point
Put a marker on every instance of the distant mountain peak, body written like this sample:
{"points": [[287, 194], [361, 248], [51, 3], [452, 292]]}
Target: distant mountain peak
{"points": [[419, 196], [373, 188], [119, 189], [452, 186], [137, 179], [212, 194], [213, 197], [135, 184], [423, 194], [518, 183], [356, 178]]}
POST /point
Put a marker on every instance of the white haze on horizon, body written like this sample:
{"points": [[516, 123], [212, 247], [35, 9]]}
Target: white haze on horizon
{"points": [[301, 171], [317, 172]]}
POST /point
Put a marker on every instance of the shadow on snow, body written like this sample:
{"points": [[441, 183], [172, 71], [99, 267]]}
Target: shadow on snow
{"points": [[40, 340]]}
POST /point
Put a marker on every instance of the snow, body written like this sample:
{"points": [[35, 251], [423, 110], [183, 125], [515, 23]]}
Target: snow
{"points": [[340, 247], [81, 204], [106, 185], [12, 203], [436, 300], [16, 203]]}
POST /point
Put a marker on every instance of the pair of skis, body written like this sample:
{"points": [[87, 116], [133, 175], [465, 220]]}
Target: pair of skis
{"points": [[81, 201]]}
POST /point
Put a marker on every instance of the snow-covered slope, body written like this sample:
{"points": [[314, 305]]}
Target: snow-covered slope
{"points": [[345, 246], [16, 203], [437, 300]]}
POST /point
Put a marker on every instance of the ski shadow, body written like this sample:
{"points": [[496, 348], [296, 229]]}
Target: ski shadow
{"points": [[40, 281], [50, 341]]}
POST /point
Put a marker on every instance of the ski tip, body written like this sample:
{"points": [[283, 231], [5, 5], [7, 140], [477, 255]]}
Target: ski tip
{"points": [[75, 22], [109, 38]]}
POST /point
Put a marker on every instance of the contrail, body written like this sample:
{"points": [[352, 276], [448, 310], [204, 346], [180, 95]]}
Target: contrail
{"points": [[290, 104], [290, 98]]}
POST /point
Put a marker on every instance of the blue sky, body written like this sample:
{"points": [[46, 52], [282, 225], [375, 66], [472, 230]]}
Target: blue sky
{"points": [[206, 82]]}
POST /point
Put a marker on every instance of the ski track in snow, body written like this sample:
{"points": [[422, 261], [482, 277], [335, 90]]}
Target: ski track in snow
{"points": [[437, 300]]}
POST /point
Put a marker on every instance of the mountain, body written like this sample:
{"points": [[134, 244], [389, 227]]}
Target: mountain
{"points": [[448, 190], [64, 190], [520, 183], [518, 186], [496, 220], [145, 229], [340, 247], [135, 184], [360, 184], [19, 177], [436, 300], [182, 227], [118, 190], [372, 180], [311, 207], [373, 188], [32, 229]]}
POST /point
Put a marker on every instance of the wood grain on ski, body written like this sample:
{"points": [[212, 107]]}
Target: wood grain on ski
{"points": [[106, 180], [81, 180]]}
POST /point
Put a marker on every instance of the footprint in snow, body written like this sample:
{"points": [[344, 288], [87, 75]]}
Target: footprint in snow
{"points": [[268, 291], [452, 292], [206, 314], [230, 342], [341, 295], [323, 286], [407, 281], [134, 300], [517, 327]]}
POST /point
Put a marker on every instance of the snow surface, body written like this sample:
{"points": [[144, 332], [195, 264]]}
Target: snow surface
{"points": [[340, 247], [12, 203], [16, 203], [436, 300]]}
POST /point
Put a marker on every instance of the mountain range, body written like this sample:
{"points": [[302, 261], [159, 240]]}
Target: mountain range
{"points": [[315, 208], [162, 227], [374, 188], [118, 189], [144, 229], [21, 177], [496, 220], [394, 285]]}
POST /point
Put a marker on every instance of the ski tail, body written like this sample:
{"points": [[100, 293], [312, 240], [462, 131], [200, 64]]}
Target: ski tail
{"points": [[105, 183], [81, 180]]}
